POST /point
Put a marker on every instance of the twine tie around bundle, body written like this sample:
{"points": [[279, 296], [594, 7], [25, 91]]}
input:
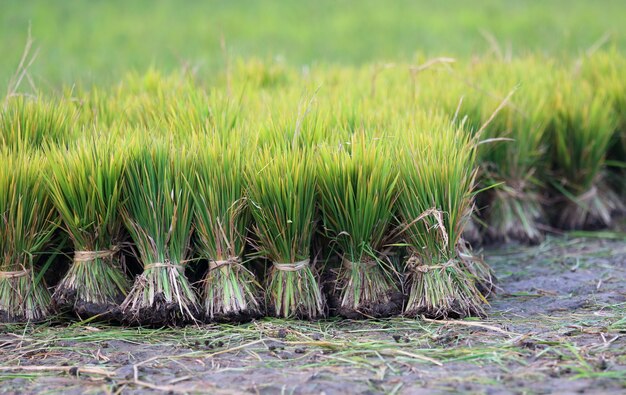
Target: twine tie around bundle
{"points": [[91, 256], [587, 196], [15, 274], [168, 264], [233, 260], [514, 191], [368, 262], [415, 264], [291, 267]]}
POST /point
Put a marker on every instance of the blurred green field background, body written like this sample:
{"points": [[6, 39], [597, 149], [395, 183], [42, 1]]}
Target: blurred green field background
{"points": [[97, 41]]}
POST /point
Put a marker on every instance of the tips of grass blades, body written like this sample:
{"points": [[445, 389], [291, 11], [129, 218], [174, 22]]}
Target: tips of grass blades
{"points": [[27, 123]]}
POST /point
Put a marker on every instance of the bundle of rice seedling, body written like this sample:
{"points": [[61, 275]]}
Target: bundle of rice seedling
{"points": [[29, 123], [85, 186], [27, 225], [281, 189], [357, 189], [583, 127], [620, 164], [505, 107], [221, 219], [455, 92], [157, 210], [437, 170], [605, 70], [512, 159]]}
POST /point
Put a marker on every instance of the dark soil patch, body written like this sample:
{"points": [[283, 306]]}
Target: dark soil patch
{"points": [[160, 313], [372, 310], [376, 309], [66, 301], [239, 317]]}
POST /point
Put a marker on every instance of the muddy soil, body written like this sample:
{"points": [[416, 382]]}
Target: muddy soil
{"points": [[65, 300], [557, 325], [387, 307]]}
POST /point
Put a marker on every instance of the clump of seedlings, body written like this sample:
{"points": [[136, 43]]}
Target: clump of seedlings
{"points": [[605, 70], [27, 226], [583, 128], [85, 182], [511, 155], [230, 291], [506, 110], [436, 162], [27, 123], [281, 189], [158, 213], [357, 186]]}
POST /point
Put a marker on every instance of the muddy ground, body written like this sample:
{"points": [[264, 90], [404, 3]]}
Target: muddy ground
{"points": [[557, 325]]}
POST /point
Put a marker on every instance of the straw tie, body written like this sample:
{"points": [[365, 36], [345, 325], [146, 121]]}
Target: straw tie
{"points": [[291, 267], [438, 216], [515, 191], [415, 263], [587, 196], [91, 256], [15, 274], [233, 260], [163, 265], [367, 262], [516, 188]]}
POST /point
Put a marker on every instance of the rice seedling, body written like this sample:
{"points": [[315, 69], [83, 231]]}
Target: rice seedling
{"points": [[230, 291], [583, 128], [85, 185], [158, 211], [512, 151], [357, 189], [605, 70], [27, 225], [460, 99], [281, 189], [27, 123], [437, 169], [269, 74], [302, 126]]}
